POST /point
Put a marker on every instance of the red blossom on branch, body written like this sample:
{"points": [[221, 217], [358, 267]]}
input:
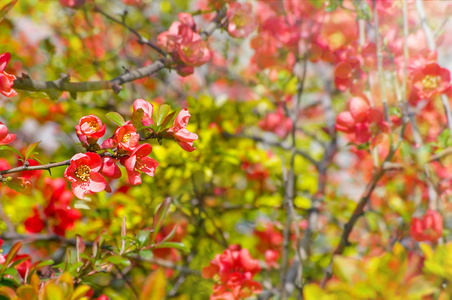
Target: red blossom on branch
{"points": [[241, 19], [90, 129], [83, 173], [138, 161]]}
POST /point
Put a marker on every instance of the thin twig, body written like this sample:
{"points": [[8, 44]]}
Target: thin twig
{"points": [[141, 39]]}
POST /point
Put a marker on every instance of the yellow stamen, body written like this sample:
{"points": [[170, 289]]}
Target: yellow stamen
{"points": [[82, 172], [126, 138], [430, 82], [94, 125]]}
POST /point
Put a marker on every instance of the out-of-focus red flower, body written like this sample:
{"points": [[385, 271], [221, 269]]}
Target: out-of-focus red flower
{"points": [[361, 120], [184, 43], [241, 19], [83, 174], [233, 272], [34, 223], [6, 80], [431, 80], [5, 137], [277, 122], [57, 213], [429, 228]]}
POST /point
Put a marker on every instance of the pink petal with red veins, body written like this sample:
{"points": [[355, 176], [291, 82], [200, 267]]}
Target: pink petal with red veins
{"points": [[79, 188], [4, 60], [97, 182], [358, 108]]}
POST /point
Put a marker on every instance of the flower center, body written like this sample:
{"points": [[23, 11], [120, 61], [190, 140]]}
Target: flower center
{"points": [[82, 172], [126, 138], [94, 125], [430, 82]]}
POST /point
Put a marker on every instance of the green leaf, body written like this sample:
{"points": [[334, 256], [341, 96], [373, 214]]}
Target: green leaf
{"points": [[143, 237], [168, 118], [44, 263], [37, 159], [118, 260], [136, 117], [146, 254], [12, 150], [30, 149], [162, 112], [115, 118], [175, 245], [11, 254], [160, 216]]}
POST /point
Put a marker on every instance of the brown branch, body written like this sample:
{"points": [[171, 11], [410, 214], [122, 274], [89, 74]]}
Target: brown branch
{"points": [[142, 40], [53, 88], [348, 227], [275, 144], [34, 168]]}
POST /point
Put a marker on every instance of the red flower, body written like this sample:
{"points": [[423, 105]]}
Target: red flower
{"points": [[184, 42], [241, 19], [233, 271], [362, 120], [83, 174], [138, 161], [431, 80], [6, 80], [34, 223], [147, 108], [5, 137], [429, 228], [277, 122], [90, 129], [179, 132], [125, 138]]}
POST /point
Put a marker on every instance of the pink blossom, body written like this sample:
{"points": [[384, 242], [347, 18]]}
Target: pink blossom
{"points": [[83, 173]]}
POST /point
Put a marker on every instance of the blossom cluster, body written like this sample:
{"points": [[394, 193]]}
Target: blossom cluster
{"points": [[233, 272], [88, 171]]}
